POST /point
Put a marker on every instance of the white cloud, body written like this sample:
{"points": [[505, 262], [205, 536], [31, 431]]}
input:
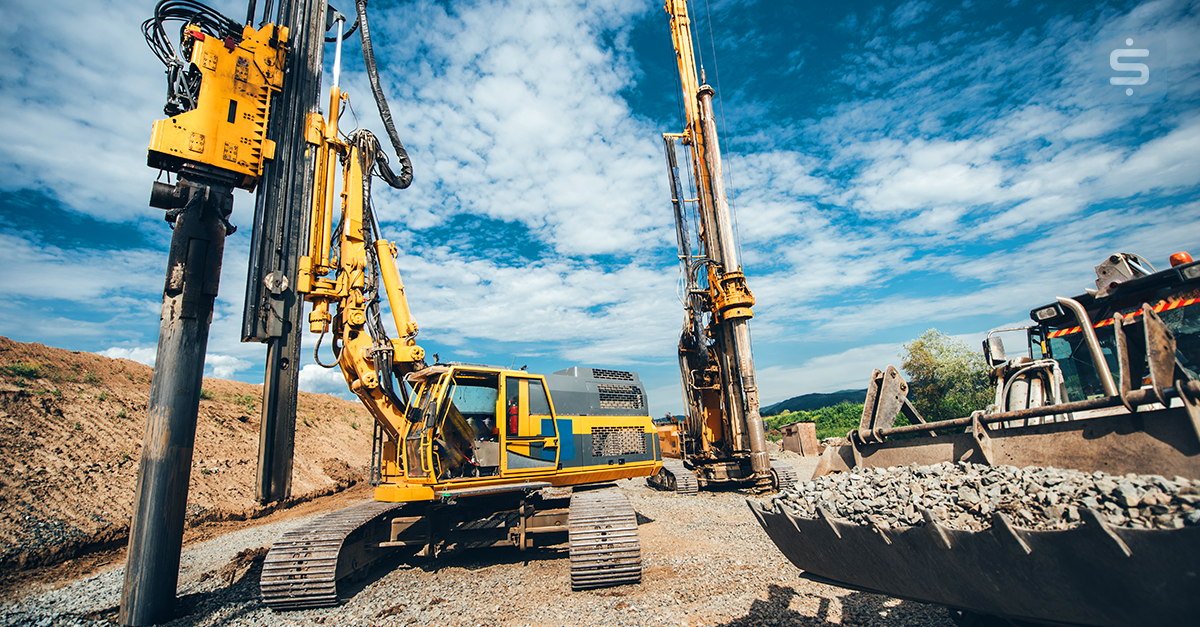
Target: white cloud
{"points": [[910, 12], [78, 274], [318, 380], [587, 312], [849, 369], [512, 111], [80, 88], [224, 366], [919, 174], [1168, 163], [142, 355]]}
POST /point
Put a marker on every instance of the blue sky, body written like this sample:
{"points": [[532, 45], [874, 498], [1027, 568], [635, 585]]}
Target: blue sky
{"points": [[894, 167]]}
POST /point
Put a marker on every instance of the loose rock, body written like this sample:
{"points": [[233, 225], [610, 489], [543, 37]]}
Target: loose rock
{"points": [[964, 496]]}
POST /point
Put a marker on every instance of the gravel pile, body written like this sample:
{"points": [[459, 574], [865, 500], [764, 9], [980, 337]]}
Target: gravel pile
{"points": [[966, 496], [706, 562]]}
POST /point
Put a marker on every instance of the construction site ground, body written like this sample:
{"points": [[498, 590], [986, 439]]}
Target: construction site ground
{"points": [[70, 429]]}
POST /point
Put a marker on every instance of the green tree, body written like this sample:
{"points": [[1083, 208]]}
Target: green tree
{"points": [[946, 378], [832, 421]]}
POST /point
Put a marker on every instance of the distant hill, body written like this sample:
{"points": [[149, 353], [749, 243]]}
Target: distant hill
{"points": [[809, 402]]}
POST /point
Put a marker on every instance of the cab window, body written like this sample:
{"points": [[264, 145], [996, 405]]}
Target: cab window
{"points": [[512, 405], [539, 404]]}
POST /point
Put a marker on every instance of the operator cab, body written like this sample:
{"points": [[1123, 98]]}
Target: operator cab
{"points": [[1174, 294], [454, 411], [473, 421]]}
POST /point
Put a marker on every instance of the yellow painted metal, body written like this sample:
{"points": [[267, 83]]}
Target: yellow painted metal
{"points": [[730, 296], [403, 492], [719, 388], [228, 127], [438, 379], [344, 292], [685, 59], [668, 441], [405, 324], [681, 37], [335, 284]]}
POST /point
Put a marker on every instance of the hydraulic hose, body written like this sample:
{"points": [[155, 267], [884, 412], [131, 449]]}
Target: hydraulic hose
{"points": [[404, 179]]}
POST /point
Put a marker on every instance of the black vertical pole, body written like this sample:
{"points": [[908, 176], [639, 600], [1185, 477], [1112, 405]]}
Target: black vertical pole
{"points": [[200, 206], [273, 313]]}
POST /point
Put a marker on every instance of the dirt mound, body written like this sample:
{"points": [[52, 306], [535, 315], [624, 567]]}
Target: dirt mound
{"points": [[71, 429]]}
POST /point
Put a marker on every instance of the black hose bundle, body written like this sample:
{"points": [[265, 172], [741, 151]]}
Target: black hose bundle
{"points": [[373, 160], [183, 81], [404, 179]]}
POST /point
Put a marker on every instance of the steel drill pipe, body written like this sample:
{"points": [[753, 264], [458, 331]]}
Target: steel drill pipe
{"points": [[156, 531]]}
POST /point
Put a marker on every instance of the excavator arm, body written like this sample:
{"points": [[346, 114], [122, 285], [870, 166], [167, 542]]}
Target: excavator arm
{"points": [[349, 267]]}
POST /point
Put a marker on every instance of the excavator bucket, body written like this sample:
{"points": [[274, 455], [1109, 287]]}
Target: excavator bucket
{"points": [[1093, 574]]}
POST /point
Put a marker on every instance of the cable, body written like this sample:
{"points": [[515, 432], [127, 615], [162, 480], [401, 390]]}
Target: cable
{"points": [[737, 234], [183, 80], [317, 352], [406, 173], [346, 35], [371, 156]]}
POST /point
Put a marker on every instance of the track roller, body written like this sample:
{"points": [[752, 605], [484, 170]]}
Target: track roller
{"points": [[604, 540], [674, 476], [783, 476]]}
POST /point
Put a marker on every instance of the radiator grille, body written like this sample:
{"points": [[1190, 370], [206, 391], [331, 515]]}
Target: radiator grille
{"points": [[613, 441], [620, 396], [620, 375]]}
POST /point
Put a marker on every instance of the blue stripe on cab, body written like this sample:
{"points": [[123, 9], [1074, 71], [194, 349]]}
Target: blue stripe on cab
{"points": [[566, 440]]}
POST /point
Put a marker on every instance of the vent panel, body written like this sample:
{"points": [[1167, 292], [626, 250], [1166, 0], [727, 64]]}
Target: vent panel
{"points": [[619, 375], [616, 441], [620, 396]]}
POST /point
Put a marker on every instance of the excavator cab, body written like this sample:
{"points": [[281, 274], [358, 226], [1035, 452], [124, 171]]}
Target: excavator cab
{"points": [[477, 422], [451, 415], [530, 431]]}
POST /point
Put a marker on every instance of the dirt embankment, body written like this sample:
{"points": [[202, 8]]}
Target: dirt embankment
{"points": [[71, 429]]}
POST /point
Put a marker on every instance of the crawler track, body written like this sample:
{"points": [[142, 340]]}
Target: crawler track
{"points": [[785, 475], [302, 568], [674, 476], [604, 540]]}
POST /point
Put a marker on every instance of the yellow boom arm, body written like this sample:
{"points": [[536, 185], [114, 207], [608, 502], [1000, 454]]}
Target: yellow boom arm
{"points": [[348, 274]]}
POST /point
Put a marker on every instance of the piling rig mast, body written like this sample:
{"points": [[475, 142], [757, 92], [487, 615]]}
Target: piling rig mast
{"points": [[723, 440]]}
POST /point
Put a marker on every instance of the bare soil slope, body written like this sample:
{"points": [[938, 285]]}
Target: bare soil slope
{"points": [[71, 428]]}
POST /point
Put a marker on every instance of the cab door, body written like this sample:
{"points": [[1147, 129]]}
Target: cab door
{"points": [[531, 439]]}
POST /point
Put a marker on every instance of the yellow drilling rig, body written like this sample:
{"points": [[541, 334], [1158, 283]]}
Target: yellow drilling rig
{"points": [[464, 455], [722, 441]]}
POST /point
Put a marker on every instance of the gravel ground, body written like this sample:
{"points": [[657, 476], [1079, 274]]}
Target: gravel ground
{"points": [[706, 562], [965, 496]]}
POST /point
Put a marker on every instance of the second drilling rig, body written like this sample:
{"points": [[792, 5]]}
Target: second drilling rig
{"points": [[722, 441]]}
